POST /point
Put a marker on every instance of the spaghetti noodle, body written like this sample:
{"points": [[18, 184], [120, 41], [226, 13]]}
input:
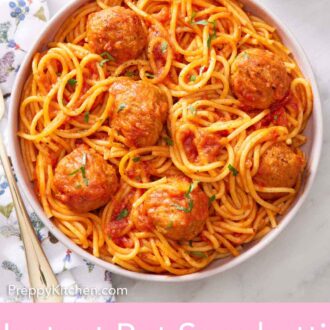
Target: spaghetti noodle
{"points": [[210, 183]]}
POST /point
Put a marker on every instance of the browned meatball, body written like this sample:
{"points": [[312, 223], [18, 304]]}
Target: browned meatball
{"points": [[259, 79], [173, 210], [279, 166], [84, 181], [140, 111], [116, 30]]}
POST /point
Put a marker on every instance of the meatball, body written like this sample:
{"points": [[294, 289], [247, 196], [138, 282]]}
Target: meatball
{"points": [[174, 210], [259, 79], [84, 181], [279, 166], [140, 110], [116, 30]]}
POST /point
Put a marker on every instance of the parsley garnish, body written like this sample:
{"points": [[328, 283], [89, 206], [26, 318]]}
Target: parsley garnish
{"points": [[136, 159], [212, 199], [190, 243], [130, 73], [190, 201], [82, 169], [193, 15], [246, 56], [170, 225], [201, 22], [150, 75], [185, 209], [103, 62], [163, 47], [233, 170], [276, 117], [86, 117], [121, 107], [190, 189], [168, 141], [192, 109], [198, 254], [74, 172], [72, 82], [123, 214], [212, 36], [192, 77], [107, 58]]}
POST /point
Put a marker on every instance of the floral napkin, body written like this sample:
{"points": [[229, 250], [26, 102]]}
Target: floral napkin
{"points": [[20, 20]]}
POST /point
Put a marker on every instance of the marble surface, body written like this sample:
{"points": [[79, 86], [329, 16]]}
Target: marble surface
{"points": [[296, 266]]}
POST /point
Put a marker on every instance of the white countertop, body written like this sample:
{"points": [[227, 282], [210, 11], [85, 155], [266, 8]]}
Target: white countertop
{"points": [[296, 266]]}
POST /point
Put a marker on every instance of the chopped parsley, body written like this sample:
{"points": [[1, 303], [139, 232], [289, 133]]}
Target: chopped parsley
{"points": [[130, 73], [212, 36], [121, 107], [123, 214], [82, 169], [198, 254], [72, 82], [212, 199], [190, 243], [150, 75], [201, 22], [190, 189], [192, 19], [103, 62], [168, 141], [246, 56], [170, 225], [192, 109], [233, 170], [163, 47], [185, 209], [107, 58], [190, 201], [83, 173], [86, 117], [275, 117], [136, 159], [193, 77], [74, 172]]}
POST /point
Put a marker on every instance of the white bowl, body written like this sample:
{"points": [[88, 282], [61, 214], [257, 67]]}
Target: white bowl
{"points": [[312, 148]]}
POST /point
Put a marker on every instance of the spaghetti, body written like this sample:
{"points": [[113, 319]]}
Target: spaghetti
{"points": [[202, 175]]}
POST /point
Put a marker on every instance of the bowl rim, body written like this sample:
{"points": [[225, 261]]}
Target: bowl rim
{"points": [[314, 156]]}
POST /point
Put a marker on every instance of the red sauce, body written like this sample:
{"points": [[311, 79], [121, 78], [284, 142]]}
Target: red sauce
{"points": [[204, 238], [189, 145], [159, 55], [53, 158], [116, 227], [281, 103], [117, 224], [124, 242], [100, 135]]}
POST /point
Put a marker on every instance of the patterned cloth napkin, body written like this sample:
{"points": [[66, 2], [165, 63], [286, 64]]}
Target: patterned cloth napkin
{"points": [[19, 22]]}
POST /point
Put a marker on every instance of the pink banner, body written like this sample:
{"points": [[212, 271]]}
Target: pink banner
{"points": [[165, 317]]}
